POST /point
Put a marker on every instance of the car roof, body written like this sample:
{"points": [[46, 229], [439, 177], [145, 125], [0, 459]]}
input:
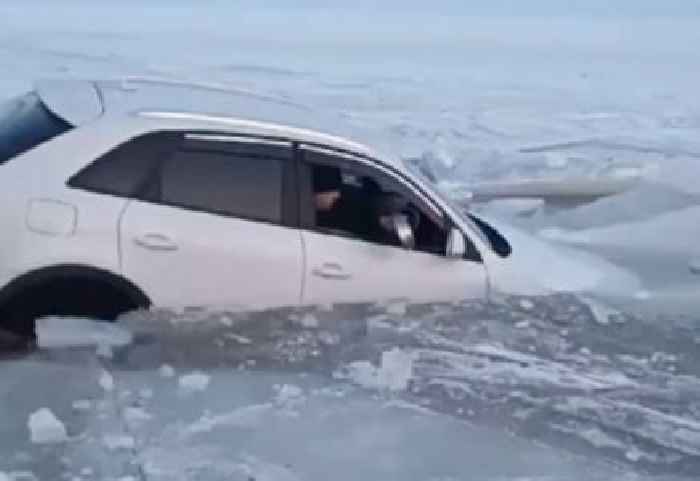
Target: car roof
{"points": [[209, 106]]}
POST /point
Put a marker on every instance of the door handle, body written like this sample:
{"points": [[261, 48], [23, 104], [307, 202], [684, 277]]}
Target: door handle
{"points": [[331, 271], [155, 242]]}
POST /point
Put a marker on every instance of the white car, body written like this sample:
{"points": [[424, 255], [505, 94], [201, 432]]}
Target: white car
{"points": [[119, 195]]}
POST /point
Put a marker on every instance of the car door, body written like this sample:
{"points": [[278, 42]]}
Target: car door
{"points": [[346, 268], [211, 228]]}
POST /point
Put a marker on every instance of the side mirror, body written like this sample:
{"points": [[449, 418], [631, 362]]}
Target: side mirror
{"points": [[404, 231], [456, 245]]}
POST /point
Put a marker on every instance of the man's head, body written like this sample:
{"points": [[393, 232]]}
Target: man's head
{"points": [[327, 182]]}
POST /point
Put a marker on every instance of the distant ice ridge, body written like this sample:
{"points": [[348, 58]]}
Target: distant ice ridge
{"points": [[674, 232], [568, 269]]}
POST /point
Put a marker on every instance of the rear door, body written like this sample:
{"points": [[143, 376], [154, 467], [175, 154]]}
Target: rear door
{"points": [[349, 267], [211, 227]]}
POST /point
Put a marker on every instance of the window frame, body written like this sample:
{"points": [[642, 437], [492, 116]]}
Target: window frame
{"points": [[354, 162], [74, 181], [296, 181], [145, 192]]}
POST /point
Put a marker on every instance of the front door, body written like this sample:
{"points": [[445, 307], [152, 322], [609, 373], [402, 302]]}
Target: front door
{"points": [[348, 261]]}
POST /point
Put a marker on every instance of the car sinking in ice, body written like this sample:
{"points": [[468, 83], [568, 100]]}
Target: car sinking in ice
{"points": [[122, 195]]}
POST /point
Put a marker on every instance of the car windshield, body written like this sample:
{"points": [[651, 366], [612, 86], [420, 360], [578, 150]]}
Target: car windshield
{"points": [[25, 123]]}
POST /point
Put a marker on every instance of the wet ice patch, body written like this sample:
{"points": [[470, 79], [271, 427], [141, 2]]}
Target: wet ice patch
{"points": [[194, 382], [61, 332], [46, 428], [247, 417]]}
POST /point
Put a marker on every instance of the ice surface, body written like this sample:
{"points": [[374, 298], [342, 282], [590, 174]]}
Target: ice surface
{"points": [[488, 99], [55, 332], [46, 428]]}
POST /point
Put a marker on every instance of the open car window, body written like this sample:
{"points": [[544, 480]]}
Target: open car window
{"points": [[362, 196]]}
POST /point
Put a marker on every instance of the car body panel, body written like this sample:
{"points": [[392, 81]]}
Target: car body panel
{"points": [[346, 270], [77, 102], [182, 258]]}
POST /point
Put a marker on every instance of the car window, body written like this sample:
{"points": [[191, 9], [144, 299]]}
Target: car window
{"points": [[351, 200], [223, 182], [25, 123], [124, 170]]}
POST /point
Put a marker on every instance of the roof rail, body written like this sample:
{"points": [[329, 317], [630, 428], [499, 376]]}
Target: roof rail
{"points": [[240, 122]]}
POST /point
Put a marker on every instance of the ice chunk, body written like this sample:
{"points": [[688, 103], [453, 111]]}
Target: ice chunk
{"points": [[309, 321], [82, 405], [602, 313], [195, 381], [238, 338], [527, 304], [288, 393], [397, 308], [166, 370], [394, 373], [136, 415], [60, 332], [694, 265], [115, 442], [106, 381], [45, 427], [642, 295]]}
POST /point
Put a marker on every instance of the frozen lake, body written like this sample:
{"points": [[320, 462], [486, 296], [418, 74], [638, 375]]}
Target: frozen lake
{"points": [[559, 388]]}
